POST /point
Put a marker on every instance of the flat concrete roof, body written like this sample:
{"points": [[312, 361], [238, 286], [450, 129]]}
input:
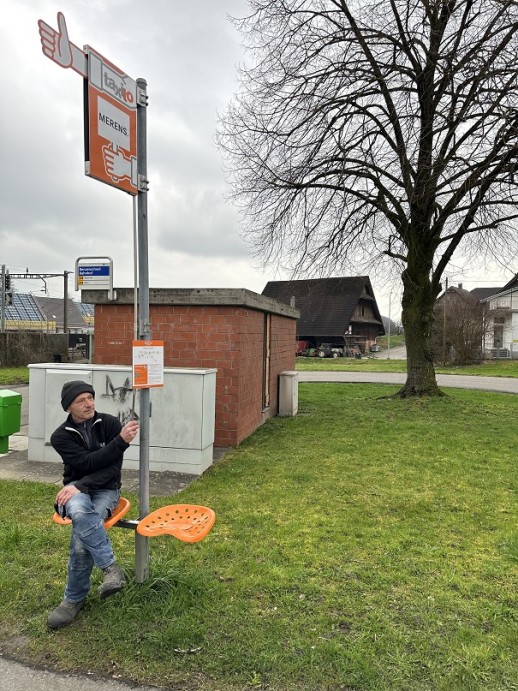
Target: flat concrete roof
{"points": [[220, 297]]}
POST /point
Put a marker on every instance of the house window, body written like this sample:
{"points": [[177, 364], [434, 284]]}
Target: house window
{"points": [[266, 359]]}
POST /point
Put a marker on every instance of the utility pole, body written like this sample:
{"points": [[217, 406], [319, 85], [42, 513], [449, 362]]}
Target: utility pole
{"points": [[65, 304], [445, 302], [389, 324], [43, 277], [3, 298]]}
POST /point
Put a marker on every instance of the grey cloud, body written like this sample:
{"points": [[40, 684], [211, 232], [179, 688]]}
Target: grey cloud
{"points": [[199, 223]]}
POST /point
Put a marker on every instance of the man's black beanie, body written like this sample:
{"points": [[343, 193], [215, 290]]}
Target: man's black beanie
{"points": [[72, 389]]}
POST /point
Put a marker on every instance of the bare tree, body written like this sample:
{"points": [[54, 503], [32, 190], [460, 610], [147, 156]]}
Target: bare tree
{"points": [[378, 131], [459, 329]]}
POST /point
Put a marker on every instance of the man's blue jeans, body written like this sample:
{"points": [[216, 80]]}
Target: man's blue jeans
{"points": [[89, 542]]}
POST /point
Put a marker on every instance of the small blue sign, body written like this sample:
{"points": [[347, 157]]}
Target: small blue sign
{"points": [[94, 270], [95, 274]]}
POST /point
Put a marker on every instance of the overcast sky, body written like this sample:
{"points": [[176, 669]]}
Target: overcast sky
{"points": [[51, 213]]}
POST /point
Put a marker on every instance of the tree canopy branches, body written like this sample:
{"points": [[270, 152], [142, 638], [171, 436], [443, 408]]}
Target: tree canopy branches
{"points": [[376, 129]]}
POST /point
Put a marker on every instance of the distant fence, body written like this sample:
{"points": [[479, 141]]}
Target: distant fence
{"points": [[510, 353], [21, 348]]}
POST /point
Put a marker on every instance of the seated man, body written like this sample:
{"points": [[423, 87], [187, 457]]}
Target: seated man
{"points": [[92, 447]]}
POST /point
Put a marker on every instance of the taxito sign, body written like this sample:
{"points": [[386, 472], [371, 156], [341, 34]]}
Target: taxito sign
{"points": [[110, 108]]}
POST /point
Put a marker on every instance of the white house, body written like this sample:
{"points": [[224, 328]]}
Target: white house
{"points": [[502, 334]]}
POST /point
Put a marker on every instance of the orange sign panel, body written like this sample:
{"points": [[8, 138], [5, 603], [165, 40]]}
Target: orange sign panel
{"points": [[111, 130]]}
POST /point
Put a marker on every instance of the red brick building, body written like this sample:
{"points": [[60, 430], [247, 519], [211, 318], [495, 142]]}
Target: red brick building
{"points": [[249, 338]]}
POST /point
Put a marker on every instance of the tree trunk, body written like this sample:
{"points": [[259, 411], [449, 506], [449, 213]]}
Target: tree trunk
{"points": [[417, 317]]}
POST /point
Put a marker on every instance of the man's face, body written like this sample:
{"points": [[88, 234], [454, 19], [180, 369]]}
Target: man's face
{"points": [[82, 407]]}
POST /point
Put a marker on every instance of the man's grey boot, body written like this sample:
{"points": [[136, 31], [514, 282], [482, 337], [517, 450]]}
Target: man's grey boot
{"points": [[113, 581], [64, 614]]}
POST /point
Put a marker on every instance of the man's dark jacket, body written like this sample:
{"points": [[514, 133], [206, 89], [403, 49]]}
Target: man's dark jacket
{"points": [[87, 469]]}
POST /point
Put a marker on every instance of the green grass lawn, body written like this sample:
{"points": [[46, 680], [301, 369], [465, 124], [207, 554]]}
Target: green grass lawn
{"points": [[367, 544], [12, 376]]}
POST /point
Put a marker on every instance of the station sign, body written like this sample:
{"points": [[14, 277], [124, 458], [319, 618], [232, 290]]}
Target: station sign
{"points": [[94, 273]]}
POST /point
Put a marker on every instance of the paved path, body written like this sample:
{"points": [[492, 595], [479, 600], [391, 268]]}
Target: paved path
{"points": [[458, 381], [17, 677], [398, 353]]}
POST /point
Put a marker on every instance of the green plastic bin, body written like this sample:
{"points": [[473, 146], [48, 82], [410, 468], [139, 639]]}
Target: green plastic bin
{"points": [[10, 416]]}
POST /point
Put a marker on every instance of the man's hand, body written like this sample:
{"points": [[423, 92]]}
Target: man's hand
{"points": [[129, 431], [66, 493]]}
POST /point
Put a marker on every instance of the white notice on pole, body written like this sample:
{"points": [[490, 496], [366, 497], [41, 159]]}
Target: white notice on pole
{"points": [[148, 364]]}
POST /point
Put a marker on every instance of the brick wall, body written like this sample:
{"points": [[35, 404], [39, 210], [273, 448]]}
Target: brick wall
{"points": [[284, 344], [228, 338]]}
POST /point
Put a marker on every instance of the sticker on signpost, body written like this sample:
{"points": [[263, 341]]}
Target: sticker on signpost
{"points": [[148, 364]]}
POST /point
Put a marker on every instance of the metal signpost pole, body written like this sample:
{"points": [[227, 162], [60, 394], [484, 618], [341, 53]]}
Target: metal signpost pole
{"points": [[141, 542], [135, 270], [65, 306]]}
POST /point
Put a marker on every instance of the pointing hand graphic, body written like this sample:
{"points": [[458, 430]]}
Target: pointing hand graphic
{"points": [[56, 45], [116, 164]]}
